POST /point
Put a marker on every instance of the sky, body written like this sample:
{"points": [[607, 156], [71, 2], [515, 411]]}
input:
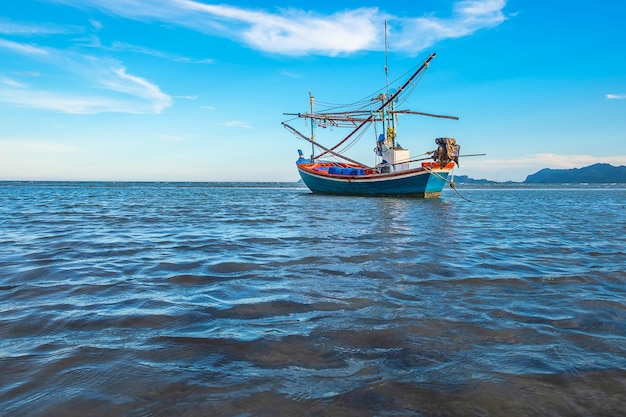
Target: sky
{"points": [[191, 90]]}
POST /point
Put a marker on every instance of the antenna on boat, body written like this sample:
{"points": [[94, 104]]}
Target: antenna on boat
{"points": [[389, 130], [386, 60], [384, 97], [311, 102]]}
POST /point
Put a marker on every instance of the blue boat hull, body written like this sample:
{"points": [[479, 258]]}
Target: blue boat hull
{"points": [[421, 183]]}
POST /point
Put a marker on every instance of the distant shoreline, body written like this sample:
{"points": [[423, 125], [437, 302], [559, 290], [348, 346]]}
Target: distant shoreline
{"points": [[298, 184]]}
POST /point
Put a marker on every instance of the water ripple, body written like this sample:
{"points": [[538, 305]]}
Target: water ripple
{"points": [[204, 299]]}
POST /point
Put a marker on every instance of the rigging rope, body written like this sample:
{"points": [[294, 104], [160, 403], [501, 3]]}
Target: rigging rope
{"points": [[385, 102], [451, 183], [354, 141], [368, 103]]}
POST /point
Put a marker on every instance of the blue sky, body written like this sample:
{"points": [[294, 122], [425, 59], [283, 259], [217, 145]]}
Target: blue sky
{"points": [[190, 90]]}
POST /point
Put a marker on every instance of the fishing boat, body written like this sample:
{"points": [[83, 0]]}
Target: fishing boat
{"points": [[394, 172]]}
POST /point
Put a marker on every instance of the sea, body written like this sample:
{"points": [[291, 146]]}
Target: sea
{"points": [[262, 299]]}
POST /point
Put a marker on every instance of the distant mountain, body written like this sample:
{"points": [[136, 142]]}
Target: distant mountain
{"points": [[464, 179], [597, 173]]}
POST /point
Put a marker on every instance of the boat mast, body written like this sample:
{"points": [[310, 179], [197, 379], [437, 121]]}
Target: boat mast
{"points": [[384, 105]]}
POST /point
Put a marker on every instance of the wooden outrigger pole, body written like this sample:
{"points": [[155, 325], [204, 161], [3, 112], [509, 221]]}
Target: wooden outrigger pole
{"points": [[441, 116], [385, 104], [361, 115]]}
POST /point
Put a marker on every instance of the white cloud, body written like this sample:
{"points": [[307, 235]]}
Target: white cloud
{"points": [[13, 28], [290, 74], [36, 146], [548, 160], [236, 123], [299, 32], [22, 48], [126, 47], [517, 169], [138, 87], [417, 34], [123, 93], [576, 161], [66, 103], [616, 96], [105, 85], [11, 82], [175, 138], [95, 24]]}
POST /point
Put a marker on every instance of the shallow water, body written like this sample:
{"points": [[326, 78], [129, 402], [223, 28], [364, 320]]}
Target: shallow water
{"points": [[148, 299]]}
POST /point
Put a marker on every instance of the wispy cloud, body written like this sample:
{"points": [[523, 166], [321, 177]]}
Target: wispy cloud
{"points": [[573, 161], [468, 17], [67, 103], [544, 160], [236, 123], [11, 82], [518, 168], [300, 32], [37, 146], [97, 25], [290, 74], [22, 48], [105, 85], [126, 47], [616, 96], [297, 32], [14, 28], [175, 138], [137, 87]]}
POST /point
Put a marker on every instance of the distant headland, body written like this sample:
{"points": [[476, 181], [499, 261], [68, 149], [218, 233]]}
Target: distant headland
{"points": [[594, 174]]}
